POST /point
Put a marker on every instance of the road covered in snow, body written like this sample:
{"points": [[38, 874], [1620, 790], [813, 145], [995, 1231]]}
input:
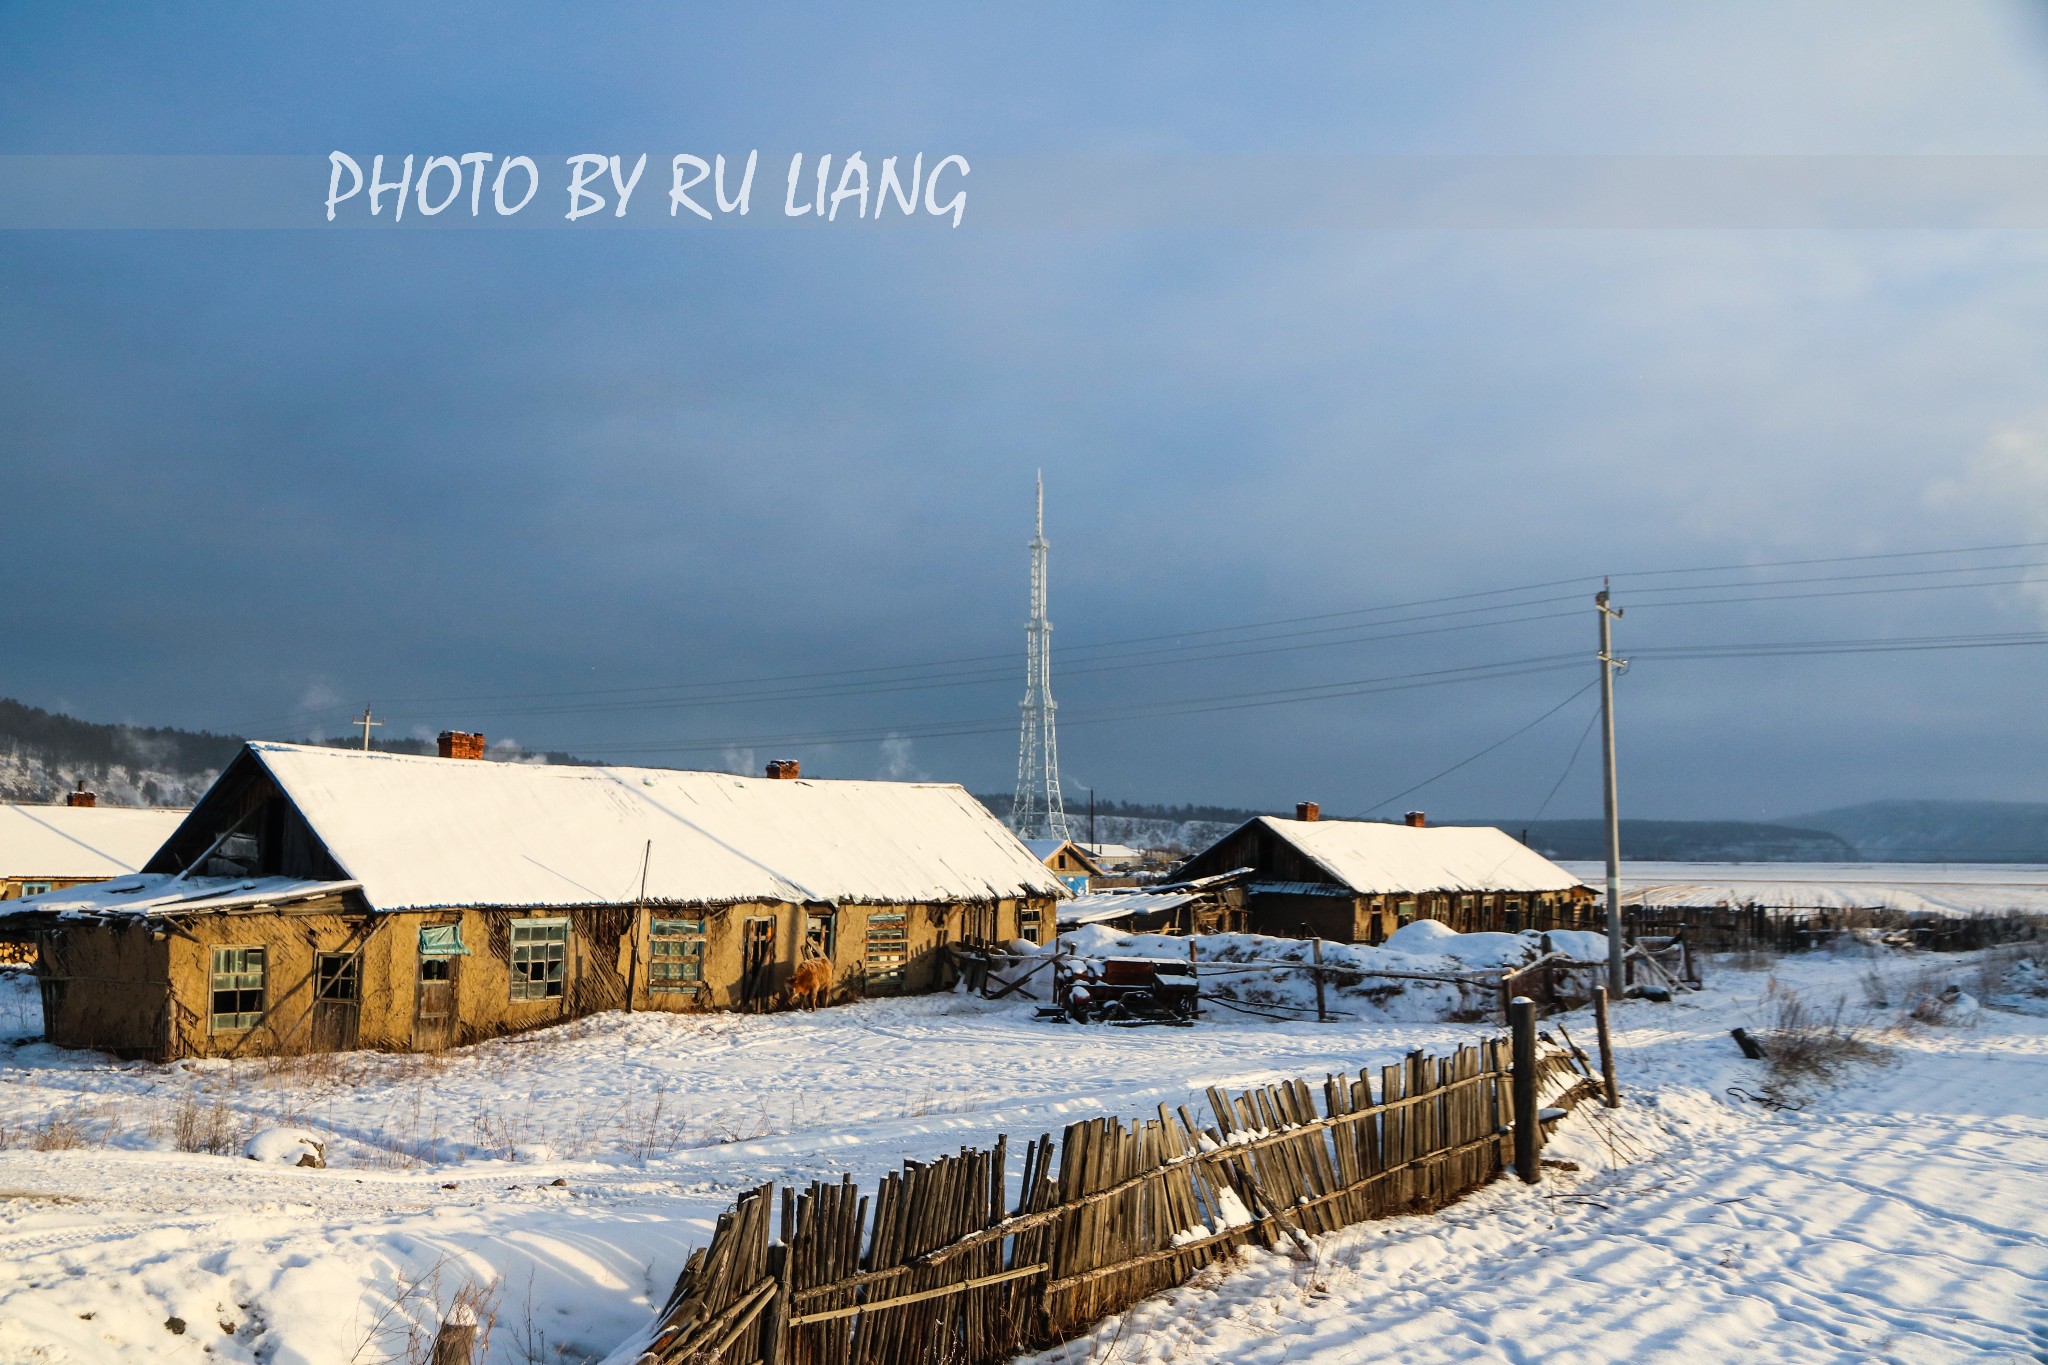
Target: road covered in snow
{"points": [[1901, 1215]]}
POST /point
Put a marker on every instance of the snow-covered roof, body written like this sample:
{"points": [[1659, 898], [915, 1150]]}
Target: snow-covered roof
{"points": [[1104, 907], [70, 842], [423, 832], [158, 894], [1379, 859]]}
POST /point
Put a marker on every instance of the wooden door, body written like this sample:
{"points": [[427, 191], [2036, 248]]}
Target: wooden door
{"points": [[337, 1000], [757, 960], [433, 1019]]}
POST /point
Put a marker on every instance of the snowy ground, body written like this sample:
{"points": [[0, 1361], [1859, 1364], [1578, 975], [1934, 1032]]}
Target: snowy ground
{"points": [[1903, 1215], [1931, 888]]}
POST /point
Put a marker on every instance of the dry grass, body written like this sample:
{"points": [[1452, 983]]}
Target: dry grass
{"points": [[213, 1126], [1806, 1042]]}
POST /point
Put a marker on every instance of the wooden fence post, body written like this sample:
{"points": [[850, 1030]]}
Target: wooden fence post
{"points": [[1322, 1008], [456, 1340], [1611, 1092], [1528, 1116]]}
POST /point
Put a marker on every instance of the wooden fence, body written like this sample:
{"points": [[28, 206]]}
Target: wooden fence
{"points": [[1794, 928], [940, 1265]]}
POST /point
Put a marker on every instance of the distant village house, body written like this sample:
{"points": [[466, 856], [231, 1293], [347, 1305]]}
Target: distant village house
{"points": [[1067, 858], [1357, 881]]}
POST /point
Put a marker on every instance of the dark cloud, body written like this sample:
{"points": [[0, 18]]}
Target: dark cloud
{"points": [[256, 473]]}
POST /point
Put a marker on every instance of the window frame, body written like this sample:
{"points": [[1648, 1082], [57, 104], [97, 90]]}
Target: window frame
{"points": [[672, 931], [552, 985], [237, 955]]}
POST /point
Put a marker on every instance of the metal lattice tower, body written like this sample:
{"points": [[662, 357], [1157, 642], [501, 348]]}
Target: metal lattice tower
{"points": [[1037, 811]]}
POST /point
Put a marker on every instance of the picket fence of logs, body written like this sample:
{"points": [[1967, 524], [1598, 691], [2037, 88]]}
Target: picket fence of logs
{"points": [[939, 1265]]}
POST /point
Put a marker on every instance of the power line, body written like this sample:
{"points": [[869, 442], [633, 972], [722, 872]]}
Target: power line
{"points": [[1473, 758], [880, 674], [1569, 764]]}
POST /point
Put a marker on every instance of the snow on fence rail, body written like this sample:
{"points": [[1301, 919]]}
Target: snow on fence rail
{"points": [[939, 1265]]}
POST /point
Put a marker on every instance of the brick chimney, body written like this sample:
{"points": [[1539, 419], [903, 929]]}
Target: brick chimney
{"points": [[461, 744], [784, 768], [1307, 811], [81, 797], [1416, 819]]}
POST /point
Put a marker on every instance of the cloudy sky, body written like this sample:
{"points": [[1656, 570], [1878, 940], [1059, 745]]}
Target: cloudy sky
{"points": [[707, 498]]}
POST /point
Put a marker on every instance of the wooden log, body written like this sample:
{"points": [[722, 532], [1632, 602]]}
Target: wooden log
{"points": [[1611, 1091], [455, 1342], [1528, 1125]]}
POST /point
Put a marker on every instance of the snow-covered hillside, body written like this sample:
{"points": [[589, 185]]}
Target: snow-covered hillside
{"points": [[38, 779]]}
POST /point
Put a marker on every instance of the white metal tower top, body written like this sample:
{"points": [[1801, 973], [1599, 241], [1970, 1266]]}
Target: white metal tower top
{"points": [[1037, 812]]}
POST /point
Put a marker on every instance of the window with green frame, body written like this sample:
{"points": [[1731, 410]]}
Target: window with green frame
{"points": [[540, 951], [675, 955], [238, 981]]}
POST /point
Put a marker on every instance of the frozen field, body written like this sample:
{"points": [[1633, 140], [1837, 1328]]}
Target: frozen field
{"points": [[1935, 888], [1901, 1216]]}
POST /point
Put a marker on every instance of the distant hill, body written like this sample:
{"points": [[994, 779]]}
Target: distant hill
{"points": [[1939, 831], [1681, 841], [44, 755]]}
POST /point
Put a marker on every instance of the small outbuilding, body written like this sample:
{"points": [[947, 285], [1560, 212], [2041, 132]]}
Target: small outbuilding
{"points": [[325, 899], [1065, 857], [1356, 881]]}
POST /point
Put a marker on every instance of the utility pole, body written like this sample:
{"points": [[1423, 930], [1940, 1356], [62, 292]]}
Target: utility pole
{"points": [[366, 723], [1617, 984]]}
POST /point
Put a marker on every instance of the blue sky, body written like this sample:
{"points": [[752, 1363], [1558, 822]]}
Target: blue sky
{"points": [[259, 478]]}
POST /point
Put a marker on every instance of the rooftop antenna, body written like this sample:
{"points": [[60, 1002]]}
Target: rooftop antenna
{"points": [[1037, 811], [366, 723]]}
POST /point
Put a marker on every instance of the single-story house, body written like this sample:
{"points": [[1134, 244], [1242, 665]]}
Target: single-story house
{"points": [[49, 848], [325, 899], [1064, 856], [1356, 881]]}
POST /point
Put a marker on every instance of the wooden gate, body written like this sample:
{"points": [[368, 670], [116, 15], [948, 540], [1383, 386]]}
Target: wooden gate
{"points": [[337, 1000], [433, 1019]]}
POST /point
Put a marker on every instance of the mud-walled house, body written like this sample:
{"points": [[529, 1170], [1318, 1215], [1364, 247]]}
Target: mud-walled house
{"points": [[325, 899], [1357, 881]]}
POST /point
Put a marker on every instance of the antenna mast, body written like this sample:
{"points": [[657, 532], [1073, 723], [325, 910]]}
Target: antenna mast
{"points": [[1037, 811]]}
